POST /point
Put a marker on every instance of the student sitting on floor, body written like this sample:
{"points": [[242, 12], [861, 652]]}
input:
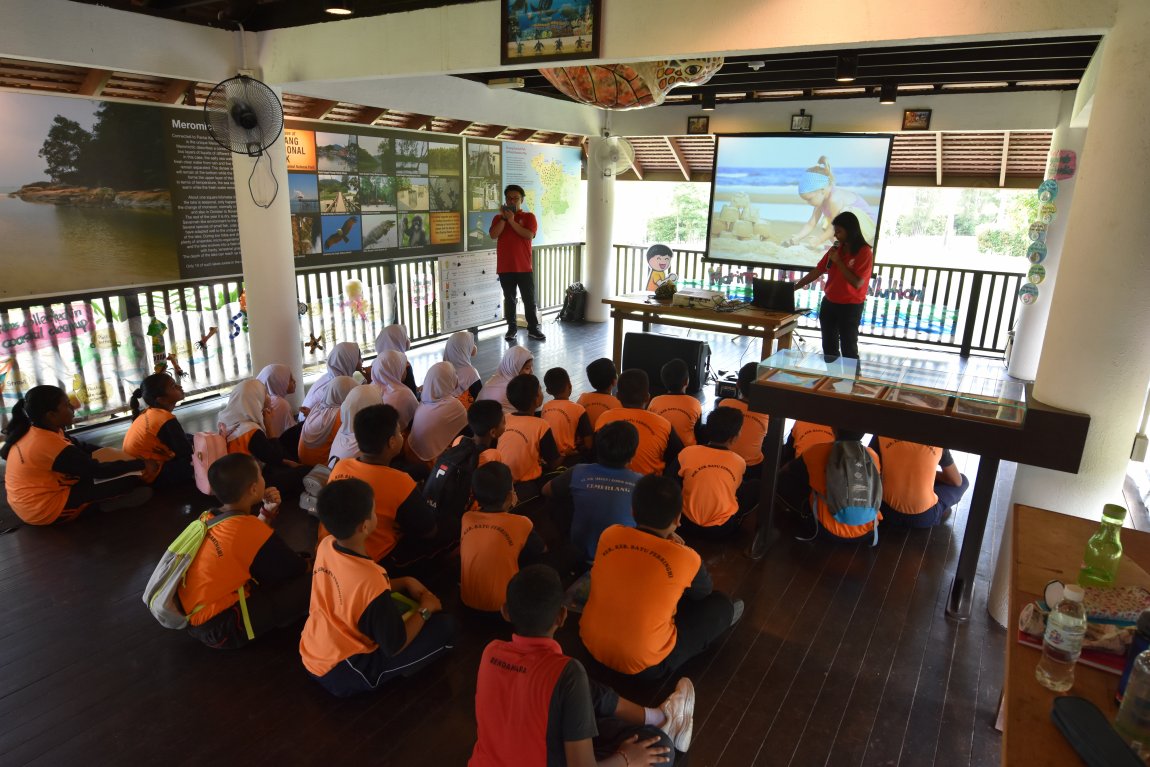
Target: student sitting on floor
{"points": [[573, 720], [652, 605], [803, 485], [322, 423], [659, 445], [242, 552], [345, 444], [50, 477], [920, 483], [440, 417], [279, 420], [394, 338], [568, 420], [156, 434], [715, 497], [357, 635], [601, 374], [387, 375], [494, 543], [241, 422], [678, 407], [403, 515], [516, 361], [459, 351], [344, 360], [749, 443], [487, 422], [527, 446], [804, 435], [593, 496]]}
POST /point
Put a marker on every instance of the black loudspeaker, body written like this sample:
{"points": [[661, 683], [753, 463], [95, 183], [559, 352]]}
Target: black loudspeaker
{"points": [[650, 351]]}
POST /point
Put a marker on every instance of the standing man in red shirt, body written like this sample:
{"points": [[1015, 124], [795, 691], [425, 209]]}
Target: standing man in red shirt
{"points": [[848, 265], [513, 230]]}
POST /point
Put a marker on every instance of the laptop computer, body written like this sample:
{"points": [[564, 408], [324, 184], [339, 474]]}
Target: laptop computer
{"points": [[773, 295]]}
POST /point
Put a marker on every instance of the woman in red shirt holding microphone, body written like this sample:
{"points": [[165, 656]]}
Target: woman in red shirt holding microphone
{"points": [[848, 265]]}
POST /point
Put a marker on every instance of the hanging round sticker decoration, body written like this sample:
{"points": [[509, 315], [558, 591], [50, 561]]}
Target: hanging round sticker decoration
{"points": [[1036, 274], [1036, 253], [1046, 212], [1048, 190], [1037, 231], [1028, 293]]}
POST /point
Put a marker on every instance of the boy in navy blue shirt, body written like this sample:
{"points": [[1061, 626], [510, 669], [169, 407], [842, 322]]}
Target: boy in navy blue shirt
{"points": [[594, 496]]}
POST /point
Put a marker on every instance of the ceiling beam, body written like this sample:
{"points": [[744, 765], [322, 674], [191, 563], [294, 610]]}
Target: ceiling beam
{"points": [[176, 90], [680, 160], [371, 114], [637, 166], [320, 108], [94, 82], [419, 122], [938, 159], [1005, 153]]}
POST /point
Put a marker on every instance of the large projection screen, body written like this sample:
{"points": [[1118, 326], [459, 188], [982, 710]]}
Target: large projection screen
{"points": [[773, 195]]}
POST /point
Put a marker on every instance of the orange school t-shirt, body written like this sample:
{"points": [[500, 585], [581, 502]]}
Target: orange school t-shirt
{"points": [[36, 493], [489, 548], [749, 443], [682, 410], [563, 415], [909, 471], [637, 580], [654, 431], [391, 488], [711, 475], [816, 462], [519, 446], [806, 435], [222, 566], [597, 404], [142, 440]]}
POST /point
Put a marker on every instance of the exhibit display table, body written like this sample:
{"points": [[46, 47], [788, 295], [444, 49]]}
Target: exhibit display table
{"points": [[746, 321], [1047, 546], [904, 398]]}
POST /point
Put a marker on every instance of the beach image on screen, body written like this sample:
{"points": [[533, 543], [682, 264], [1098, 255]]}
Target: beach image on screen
{"points": [[773, 197]]}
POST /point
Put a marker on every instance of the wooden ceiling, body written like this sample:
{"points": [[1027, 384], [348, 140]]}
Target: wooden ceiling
{"points": [[993, 158]]}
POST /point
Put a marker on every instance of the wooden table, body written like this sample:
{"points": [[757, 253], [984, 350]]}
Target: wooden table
{"points": [[1047, 546], [748, 321]]}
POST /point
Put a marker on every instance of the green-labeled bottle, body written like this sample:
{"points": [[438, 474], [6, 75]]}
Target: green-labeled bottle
{"points": [[1103, 550]]}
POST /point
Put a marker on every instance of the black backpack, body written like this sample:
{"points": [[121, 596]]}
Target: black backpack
{"points": [[447, 490], [854, 485], [574, 303]]}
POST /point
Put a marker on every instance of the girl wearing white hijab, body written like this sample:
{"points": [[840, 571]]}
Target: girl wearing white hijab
{"points": [[323, 421], [440, 416], [387, 375], [278, 416], [345, 359], [516, 361], [394, 338], [345, 445], [459, 351], [242, 423]]}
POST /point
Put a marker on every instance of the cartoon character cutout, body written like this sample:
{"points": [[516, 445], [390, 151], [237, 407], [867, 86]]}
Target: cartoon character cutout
{"points": [[355, 300], [659, 259]]}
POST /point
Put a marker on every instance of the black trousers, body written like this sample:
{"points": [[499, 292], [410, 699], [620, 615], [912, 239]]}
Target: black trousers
{"points": [[840, 327], [274, 606], [525, 283], [367, 671]]}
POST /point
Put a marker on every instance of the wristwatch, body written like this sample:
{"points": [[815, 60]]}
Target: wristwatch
{"points": [[424, 613]]}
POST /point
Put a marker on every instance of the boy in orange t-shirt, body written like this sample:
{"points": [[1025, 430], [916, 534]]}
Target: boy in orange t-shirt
{"points": [[568, 420], [241, 551], [601, 374], [652, 605], [358, 635], [678, 407], [494, 543], [715, 497], [749, 443], [527, 445], [659, 445], [407, 526]]}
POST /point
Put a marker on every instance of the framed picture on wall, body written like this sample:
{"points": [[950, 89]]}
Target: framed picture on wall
{"points": [[571, 30], [916, 119], [698, 125], [801, 122]]}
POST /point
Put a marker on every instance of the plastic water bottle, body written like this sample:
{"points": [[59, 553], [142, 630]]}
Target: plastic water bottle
{"points": [[1062, 642], [1138, 645], [1133, 722], [1103, 550]]}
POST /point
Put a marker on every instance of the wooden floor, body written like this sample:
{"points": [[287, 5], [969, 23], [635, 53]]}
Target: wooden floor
{"points": [[844, 656]]}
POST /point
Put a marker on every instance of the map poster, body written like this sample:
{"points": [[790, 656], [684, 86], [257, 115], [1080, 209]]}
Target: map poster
{"points": [[552, 177]]}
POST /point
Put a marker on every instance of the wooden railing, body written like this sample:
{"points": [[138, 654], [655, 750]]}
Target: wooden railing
{"points": [[967, 309], [97, 345]]}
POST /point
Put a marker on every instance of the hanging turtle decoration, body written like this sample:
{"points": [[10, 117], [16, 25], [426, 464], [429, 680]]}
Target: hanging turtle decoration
{"points": [[630, 86]]}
